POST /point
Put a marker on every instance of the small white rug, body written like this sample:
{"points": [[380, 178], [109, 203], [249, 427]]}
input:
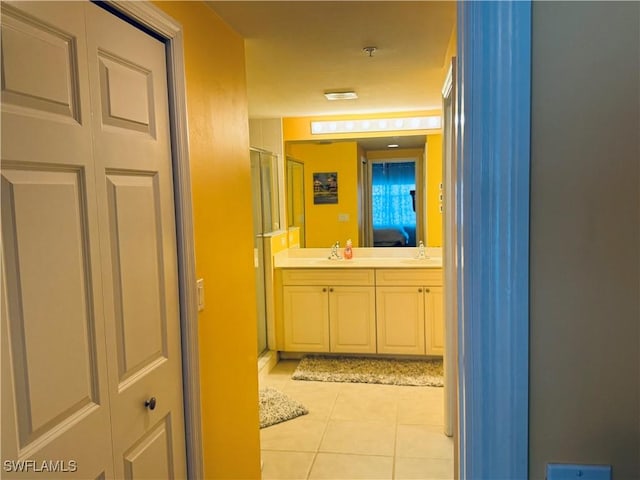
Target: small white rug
{"points": [[425, 372], [276, 407]]}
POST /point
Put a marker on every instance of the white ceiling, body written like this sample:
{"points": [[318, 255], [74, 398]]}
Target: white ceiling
{"points": [[298, 50]]}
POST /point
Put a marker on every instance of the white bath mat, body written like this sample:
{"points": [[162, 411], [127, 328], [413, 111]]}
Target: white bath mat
{"points": [[420, 372], [276, 407]]}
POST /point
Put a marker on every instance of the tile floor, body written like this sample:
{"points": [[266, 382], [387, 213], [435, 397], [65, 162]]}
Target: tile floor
{"points": [[356, 431]]}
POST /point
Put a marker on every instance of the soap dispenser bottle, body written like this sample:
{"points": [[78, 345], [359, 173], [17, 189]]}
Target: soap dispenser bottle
{"points": [[348, 250]]}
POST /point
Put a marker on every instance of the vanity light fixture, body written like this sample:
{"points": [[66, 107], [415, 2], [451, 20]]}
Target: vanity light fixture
{"points": [[432, 122], [350, 95], [393, 145]]}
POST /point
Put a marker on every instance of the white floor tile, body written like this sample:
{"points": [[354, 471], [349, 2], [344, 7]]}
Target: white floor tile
{"points": [[286, 465], [333, 466], [367, 438], [423, 441], [302, 434], [423, 469]]}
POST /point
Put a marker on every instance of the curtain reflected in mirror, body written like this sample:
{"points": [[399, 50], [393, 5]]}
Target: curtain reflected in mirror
{"points": [[393, 186]]}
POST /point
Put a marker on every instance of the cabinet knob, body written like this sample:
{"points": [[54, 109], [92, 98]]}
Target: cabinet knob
{"points": [[324, 289], [419, 290], [427, 290], [331, 289]]}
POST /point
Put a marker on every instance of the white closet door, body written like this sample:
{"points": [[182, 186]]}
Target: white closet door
{"points": [[90, 327], [55, 396], [132, 154]]}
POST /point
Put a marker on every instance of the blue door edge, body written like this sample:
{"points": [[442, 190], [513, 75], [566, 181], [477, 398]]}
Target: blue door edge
{"points": [[492, 202]]}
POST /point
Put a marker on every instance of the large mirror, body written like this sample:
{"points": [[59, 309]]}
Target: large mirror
{"points": [[377, 192]]}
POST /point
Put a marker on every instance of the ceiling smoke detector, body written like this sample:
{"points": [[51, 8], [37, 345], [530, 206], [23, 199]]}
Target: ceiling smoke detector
{"points": [[370, 50]]}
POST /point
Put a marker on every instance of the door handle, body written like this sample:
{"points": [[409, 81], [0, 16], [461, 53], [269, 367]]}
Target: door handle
{"points": [[151, 403]]}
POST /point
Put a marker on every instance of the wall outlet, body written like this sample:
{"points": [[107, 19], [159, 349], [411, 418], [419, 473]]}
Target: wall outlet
{"points": [[563, 471], [343, 217], [200, 290]]}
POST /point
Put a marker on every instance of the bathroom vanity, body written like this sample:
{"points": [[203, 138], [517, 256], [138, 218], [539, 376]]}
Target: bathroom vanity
{"points": [[383, 301]]}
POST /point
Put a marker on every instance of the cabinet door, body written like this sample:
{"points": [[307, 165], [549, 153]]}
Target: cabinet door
{"points": [[352, 319], [306, 318], [400, 315], [434, 320]]}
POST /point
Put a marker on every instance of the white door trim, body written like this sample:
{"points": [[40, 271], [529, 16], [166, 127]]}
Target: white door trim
{"points": [[492, 201], [449, 245], [155, 20]]}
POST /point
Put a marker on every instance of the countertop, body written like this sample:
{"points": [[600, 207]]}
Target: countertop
{"points": [[362, 258]]}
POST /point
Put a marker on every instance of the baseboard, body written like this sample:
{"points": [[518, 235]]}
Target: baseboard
{"points": [[267, 361]]}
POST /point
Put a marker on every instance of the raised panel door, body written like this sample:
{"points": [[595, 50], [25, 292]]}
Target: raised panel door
{"points": [[55, 395], [352, 314], [434, 320], [400, 320], [306, 318], [132, 153]]}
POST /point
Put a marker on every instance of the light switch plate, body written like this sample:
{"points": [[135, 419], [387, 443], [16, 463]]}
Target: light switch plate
{"points": [[563, 471], [200, 290]]}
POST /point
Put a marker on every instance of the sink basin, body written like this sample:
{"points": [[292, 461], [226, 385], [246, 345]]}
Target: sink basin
{"points": [[325, 261], [419, 261]]}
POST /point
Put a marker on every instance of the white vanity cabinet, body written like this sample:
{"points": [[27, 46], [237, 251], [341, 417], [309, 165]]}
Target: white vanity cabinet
{"points": [[409, 306], [328, 310]]}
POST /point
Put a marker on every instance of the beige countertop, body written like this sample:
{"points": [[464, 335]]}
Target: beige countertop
{"points": [[362, 258]]}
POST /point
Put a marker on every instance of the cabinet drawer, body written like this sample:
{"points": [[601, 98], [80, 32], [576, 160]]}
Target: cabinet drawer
{"points": [[408, 276], [319, 276]]}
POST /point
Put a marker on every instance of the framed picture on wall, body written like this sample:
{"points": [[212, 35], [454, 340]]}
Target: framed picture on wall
{"points": [[325, 188]]}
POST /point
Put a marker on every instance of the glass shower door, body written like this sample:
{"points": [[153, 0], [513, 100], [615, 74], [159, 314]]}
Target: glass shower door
{"points": [[264, 188]]}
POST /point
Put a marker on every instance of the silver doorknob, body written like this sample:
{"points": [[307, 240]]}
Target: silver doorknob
{"points": [[151, 403]]}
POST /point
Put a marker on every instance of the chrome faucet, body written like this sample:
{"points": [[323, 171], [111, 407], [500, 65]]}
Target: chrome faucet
{"points": [[334, 252], [421, 250]]}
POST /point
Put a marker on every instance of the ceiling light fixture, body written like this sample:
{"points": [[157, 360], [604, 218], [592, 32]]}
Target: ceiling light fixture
{"points": [[376, 125], [350, 95]]}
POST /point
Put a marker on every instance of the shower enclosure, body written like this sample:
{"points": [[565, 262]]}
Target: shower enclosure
{"points": [[266, 219]]}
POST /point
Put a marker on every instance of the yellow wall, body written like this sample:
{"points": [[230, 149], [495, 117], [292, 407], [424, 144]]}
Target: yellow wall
{"points": [[294, 237], [434, 179], [321, 221], [279, 241], [221, 188]]}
